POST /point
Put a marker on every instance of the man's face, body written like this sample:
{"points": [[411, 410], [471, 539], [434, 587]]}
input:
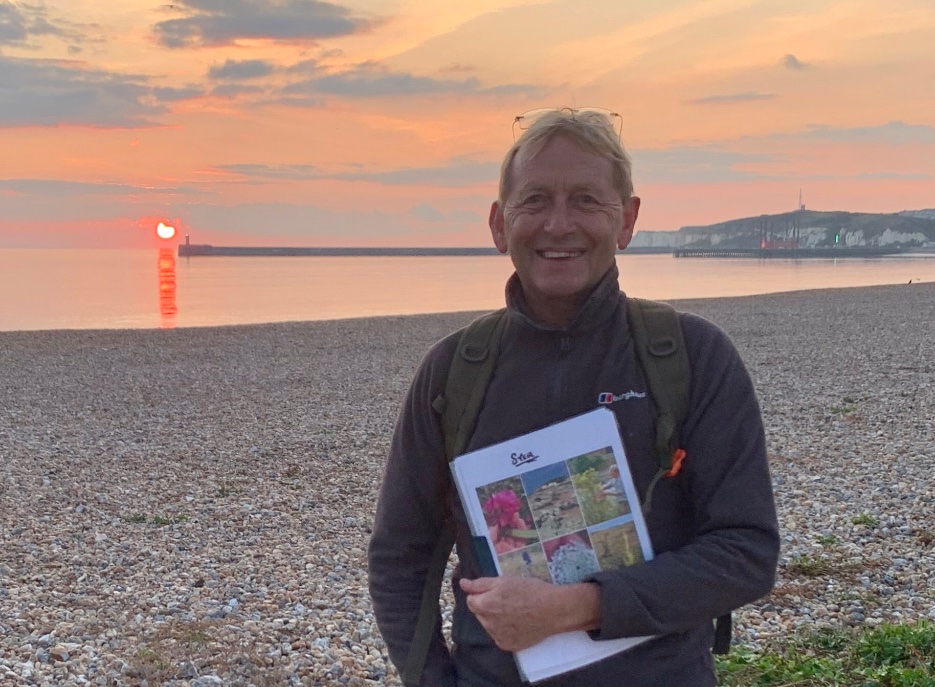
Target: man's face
{"points": [[562, 224]]}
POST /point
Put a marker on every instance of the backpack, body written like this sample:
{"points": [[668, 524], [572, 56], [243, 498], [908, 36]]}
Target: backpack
{"points": [[664, 361]]}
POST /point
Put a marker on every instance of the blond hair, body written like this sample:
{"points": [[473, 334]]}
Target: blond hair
{"points": [[590, 130]]}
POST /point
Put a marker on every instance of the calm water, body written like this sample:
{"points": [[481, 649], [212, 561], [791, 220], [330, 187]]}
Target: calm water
{"points": [[119, 289]]}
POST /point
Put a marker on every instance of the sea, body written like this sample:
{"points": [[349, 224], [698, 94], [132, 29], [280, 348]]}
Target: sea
{"points": [[47, 289]]}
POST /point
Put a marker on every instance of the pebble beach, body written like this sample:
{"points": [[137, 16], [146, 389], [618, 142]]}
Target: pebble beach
{"points": [[192, 507]]}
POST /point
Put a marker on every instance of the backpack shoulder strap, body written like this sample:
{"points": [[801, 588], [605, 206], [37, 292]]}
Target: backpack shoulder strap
{"points": [[470, 372], [662, 354], [660, 348]]}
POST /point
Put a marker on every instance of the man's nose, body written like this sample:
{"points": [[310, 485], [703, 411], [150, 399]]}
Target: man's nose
{"points": [[559, 219]]}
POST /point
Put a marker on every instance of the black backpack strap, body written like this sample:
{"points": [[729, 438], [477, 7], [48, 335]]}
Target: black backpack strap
{"points": [[722, 632], [660, 348], [471, 369]]}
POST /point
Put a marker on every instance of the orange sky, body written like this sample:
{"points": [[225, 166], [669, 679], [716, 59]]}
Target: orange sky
{"points": [[382, 122]]}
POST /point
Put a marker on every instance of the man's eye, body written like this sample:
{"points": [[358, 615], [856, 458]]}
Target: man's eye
{"points": [[534, 199], [587, 200]]}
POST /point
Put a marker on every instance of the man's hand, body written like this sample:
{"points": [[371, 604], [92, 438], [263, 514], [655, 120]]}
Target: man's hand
{"points": [[518, 612]]}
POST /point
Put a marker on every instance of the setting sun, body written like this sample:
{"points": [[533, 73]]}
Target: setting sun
{"points": [[164, 231]]}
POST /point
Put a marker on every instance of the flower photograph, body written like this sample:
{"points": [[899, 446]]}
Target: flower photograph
{"points": [[571, 558], [506, 512]]}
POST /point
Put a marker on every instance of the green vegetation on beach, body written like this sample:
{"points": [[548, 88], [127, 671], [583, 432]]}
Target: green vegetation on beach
{"points": [[884, 656]]}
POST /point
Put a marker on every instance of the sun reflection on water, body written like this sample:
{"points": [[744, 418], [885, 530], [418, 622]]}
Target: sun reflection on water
{"points": [[168, 309]]}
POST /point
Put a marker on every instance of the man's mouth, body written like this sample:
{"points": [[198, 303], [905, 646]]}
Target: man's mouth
{"points": [[559, 254]]}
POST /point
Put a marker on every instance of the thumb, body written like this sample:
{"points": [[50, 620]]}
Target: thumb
{"points": [[477, 586]]}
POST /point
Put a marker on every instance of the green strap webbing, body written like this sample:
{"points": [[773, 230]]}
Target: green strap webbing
{"points": [[427, 620], [660, 349], [468, 377]]}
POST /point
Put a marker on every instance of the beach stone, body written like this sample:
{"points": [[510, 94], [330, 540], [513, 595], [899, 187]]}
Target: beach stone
{"points": [[229, 477], [59, 653], [208, 681]]}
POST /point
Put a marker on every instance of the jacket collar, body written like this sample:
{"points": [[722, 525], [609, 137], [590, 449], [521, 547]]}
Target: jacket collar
{"points": [[597, 308]]}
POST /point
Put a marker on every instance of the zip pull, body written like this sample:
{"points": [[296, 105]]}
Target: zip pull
{"points": [[678, 457]]}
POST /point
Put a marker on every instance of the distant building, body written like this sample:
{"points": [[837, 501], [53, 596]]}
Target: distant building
{"points": [[654, 239]]}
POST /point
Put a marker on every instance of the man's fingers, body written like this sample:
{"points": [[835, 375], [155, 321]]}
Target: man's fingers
{"points": [[478, 586]]}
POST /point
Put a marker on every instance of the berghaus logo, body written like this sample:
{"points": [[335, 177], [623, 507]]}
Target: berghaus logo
{"points": [[606, 398]]}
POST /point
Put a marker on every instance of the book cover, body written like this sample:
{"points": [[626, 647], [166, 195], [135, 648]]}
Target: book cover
{"points": [[557, 504]]}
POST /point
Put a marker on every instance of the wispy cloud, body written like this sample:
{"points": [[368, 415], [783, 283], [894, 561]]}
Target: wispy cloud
{"points": [[371, 80], [696, 164], [368, 83], [732, 98], [893, 133], [241, 69], [232, 90], [51, 93], [887, 176], [278, 172], [427, 213], [19, 23], [456, 172], [217, 22], [169, 94], [296, 101], [792, 62], [457, 67], [62, 188]]}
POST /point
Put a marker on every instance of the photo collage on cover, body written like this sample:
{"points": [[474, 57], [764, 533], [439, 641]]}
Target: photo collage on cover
{"points": [[563, 522]]}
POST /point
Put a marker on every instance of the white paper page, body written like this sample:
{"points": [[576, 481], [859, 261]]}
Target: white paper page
{"points": [[567, 495]]}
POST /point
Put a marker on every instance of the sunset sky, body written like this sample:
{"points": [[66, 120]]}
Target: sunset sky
{"points": [[383, 122]]}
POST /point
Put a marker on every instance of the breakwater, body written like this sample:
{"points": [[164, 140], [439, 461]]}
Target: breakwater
{"points": [[207, 250], [785, 253]]}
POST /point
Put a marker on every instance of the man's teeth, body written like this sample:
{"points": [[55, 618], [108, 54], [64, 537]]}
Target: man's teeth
{"points": [[560, 254]]}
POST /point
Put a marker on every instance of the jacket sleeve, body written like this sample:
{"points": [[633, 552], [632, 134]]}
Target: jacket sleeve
{"points": [[409, 519], [731, 556]]}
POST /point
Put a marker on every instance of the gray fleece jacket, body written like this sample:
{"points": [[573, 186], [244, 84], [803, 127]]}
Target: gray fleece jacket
{"points": [[713, 527]]}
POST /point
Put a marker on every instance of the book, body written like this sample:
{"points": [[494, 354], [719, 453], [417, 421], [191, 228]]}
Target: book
{"points": [[557, 504]]}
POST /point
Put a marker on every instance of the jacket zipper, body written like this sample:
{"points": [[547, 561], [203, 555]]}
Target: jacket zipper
{"points": [[560, 382]]}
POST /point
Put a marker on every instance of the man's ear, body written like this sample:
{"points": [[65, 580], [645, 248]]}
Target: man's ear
{"points": [[496, 223], [631, 210]]}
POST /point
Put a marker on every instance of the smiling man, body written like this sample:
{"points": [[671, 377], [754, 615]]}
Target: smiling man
{"points": [[565, 207]]}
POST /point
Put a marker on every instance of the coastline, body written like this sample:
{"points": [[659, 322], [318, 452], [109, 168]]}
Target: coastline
{"points": [[197, 501]]}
